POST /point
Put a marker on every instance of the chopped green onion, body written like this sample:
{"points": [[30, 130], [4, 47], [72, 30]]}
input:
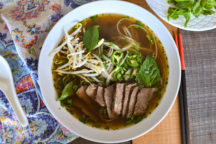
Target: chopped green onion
{"points": [[137, 46], [150, 39]]}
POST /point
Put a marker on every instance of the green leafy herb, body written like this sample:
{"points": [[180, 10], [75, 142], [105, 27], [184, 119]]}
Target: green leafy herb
{"points": [[150, 39], [139, 23], [69, 101], [68, 90], [93, 18], [111, 43], [107, 127], [130, 120], [188, 8], [138, 119], [149, 72], [105, 111], [137, 46], [102, 80], [97, 126], [91, 37], [84, 120]]}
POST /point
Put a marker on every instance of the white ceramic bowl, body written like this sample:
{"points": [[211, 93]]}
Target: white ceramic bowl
{"points": [[46, 82], [202, 23]]}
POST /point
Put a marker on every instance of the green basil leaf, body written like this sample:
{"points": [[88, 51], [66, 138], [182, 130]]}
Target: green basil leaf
{"points": [[187, 8], [149, 72], [91, 37], [68, 91]]}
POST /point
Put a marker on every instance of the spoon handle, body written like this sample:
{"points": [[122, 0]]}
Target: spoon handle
{"points": [[14, 102]]}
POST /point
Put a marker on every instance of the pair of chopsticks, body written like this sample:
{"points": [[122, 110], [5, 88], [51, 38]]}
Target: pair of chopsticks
{"points": [[185, 133]]}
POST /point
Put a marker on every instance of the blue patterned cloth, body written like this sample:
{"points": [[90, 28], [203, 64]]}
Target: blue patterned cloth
{"points": [[24, 26]]}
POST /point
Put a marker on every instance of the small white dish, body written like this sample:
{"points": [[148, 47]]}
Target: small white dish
{"points": [[46, 82], [202, 23]]}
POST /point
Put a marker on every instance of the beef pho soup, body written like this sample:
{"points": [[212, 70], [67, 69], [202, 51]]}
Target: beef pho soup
{"points": [[110, 71]]}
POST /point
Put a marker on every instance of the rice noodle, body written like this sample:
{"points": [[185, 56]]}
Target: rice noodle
{"points": [[117, 25], [127, 47], [156, 48], [127, 32], [136, 25]]}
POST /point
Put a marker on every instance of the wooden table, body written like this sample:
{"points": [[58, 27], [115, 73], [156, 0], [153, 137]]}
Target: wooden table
{"points": [[168, 131]]}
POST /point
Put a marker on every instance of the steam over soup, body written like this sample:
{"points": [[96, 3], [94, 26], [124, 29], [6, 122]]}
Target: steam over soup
{"points": [[110, 71]]}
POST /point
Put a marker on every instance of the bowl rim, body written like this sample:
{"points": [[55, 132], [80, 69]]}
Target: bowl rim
{"points": [[118, 134]]}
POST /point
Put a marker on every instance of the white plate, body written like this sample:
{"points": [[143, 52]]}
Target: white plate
{"points": [[202, 23], [46, 82]]}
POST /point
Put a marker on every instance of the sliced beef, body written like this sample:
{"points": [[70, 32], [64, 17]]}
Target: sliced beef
{"points": [[100, 96], [108, 97], [91, 91], [85, 109], [132, 101], [143, 98], [81, 93], [128, 90], [118, 98]]}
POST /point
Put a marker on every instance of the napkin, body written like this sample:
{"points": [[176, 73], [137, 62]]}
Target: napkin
{"points": [[24, 25]]}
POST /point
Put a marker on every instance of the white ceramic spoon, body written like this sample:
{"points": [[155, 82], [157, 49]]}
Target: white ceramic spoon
{"points": [[7, 86]]}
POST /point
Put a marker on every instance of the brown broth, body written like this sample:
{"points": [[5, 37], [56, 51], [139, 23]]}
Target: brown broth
{"points": [[107, 30]]}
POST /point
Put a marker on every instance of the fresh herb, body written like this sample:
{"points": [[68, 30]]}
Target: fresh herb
{"points": [[118, 75], [102, 80], [130, 120], [149, 72], [138, 119], [188, 8], [111, 43], [93, 18], [139, 23], [126, 17], [107, 127], [91, 37], [150, 39], [84, 120], [127, 76], [69, 101], [105, 65], [132, 117], [69, 90], [97, 126], [105, 111], [70, 111], [137, 46]]}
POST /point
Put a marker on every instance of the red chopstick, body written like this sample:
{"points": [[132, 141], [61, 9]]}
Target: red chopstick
{"points": [[182, 94], [181, 52]]}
